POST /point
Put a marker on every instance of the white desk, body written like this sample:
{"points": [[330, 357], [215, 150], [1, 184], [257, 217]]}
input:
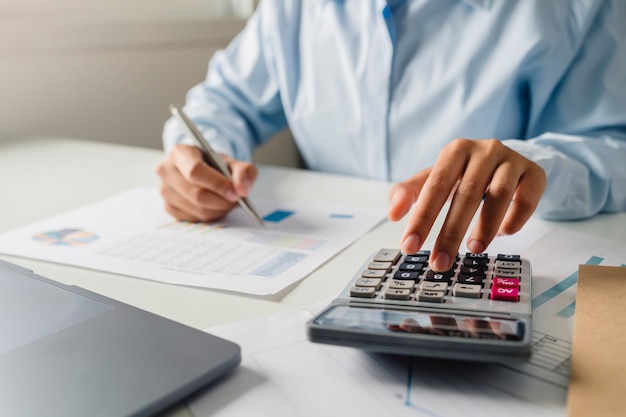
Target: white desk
{"points": [[43, 177]]}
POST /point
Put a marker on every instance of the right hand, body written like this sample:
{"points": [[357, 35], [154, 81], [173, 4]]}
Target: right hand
{"points": [[194, 191]]}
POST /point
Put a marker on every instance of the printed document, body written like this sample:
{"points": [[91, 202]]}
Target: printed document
{"points": [[286, 375], [131, 234], [283, 374]]}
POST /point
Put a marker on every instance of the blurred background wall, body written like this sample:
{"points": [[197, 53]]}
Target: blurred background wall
{"points": [[107, 70]]}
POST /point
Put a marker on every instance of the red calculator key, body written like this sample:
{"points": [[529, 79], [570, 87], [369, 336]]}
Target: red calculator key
{"points": [[504, 294], [504, 282]]}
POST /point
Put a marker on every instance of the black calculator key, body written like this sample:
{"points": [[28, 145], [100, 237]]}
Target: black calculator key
{"points": [[415, 259], [410, 267], [510, 258], [470, 279], [483, 256], [406, 275], [465, 270], [475, 263], [439, 276]]}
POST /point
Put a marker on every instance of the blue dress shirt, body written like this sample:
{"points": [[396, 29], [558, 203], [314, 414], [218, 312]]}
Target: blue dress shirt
{"points": [[376, 88]]}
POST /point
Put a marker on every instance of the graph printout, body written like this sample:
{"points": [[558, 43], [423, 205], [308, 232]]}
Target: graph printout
{"points": [[288, 375], [555, 259], [130, 234]]}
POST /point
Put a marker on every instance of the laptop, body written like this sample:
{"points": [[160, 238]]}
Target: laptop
{"points": [[66, 352]]}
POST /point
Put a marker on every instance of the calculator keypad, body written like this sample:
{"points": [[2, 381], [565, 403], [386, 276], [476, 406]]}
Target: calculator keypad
{"points": [[392, 276], [395, 303]]}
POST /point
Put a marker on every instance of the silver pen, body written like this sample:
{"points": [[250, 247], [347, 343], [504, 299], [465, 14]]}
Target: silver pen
{"points": [[212, 157]]}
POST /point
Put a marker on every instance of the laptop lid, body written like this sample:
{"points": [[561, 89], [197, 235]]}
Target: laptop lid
{"points": [[65, 351]]}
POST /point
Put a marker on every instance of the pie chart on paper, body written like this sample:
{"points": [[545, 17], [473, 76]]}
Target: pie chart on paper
{"points": [[65, 237]]}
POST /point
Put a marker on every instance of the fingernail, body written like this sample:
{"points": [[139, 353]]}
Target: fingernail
{"points": [[475, 246], [231, 196], [393, 197], [441, 262], [411, 243], [247, 186]]}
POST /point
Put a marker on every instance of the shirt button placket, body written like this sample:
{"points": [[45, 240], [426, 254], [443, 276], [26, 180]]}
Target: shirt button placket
{"points": [[377, 95]]}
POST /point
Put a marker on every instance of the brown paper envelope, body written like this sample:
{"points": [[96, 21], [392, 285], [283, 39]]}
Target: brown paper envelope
{"points": [[598, 375]]}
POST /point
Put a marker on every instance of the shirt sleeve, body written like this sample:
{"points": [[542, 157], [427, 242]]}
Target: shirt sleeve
{"points": [[579, 135], [238, 105]]}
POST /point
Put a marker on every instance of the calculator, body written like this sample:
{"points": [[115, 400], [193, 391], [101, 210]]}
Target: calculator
{"points": [[478, 310]]}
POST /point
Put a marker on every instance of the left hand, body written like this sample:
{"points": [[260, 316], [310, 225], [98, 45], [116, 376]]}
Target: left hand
{"points": [[467, 171]]}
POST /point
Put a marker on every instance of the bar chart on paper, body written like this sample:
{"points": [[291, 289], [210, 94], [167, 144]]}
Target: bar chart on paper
{"points": [[131, 234], [555, 260], [552, 293], [291, 376]]}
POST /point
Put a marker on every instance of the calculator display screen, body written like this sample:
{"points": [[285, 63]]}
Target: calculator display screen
{"points": [[421, 322]]}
